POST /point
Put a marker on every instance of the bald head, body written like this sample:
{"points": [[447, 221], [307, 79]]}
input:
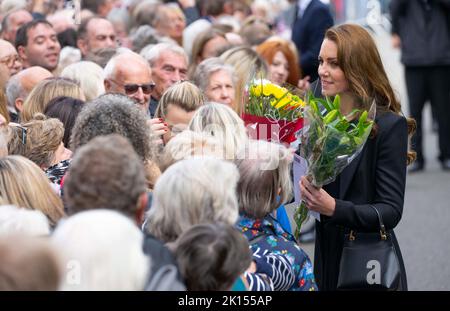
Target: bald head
{"points": [[22, 83], [32, 76], [126, 71]]}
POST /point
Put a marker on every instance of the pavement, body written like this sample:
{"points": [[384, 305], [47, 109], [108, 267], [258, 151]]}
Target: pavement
{"points": [[424, 231]]}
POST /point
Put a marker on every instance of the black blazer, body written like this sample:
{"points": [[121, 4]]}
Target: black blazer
{"points": [[308, 33], [377, 176]]}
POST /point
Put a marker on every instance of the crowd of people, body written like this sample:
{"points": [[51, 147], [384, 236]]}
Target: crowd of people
{"points": [[125, 164]]}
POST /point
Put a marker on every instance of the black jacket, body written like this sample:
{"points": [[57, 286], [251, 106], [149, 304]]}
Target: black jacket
{"points": [[376, 176], [424, 29], [308, 33]]}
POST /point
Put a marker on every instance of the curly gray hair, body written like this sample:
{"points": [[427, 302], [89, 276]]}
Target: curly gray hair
{"points": [[113, 114]]}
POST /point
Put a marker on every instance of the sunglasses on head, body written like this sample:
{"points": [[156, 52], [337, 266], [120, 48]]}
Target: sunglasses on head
{"points": [[147, 88]]}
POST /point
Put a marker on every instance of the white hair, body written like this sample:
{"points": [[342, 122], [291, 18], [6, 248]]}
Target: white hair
{"points": [[207, 67], [14, 90], [102, 250], [110, 68], [190, 144], [222, 122], [152, 55], [15, 220], [8, 6], [68, 55], [90, 77], [191, 192], [265, 181]]}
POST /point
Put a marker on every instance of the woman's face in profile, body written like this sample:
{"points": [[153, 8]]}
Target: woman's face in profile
{"points": [[61, 154], [331, 75]]}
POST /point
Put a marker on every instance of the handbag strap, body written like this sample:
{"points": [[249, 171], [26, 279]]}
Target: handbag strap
{"points": [[383, 233]]}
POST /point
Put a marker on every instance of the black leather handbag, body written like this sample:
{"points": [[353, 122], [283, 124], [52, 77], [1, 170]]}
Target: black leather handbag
{"points": [[369, 261]]}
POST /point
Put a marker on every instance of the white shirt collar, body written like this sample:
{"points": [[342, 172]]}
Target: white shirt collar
{"points": [[302, 5]]}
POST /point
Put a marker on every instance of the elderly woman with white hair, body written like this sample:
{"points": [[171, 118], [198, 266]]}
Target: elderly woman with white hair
{"points": [[89, 75], [14, 220], [264, 170], [189, 193], [217, 80], [190, 144], [102, 250], [221, 122]]}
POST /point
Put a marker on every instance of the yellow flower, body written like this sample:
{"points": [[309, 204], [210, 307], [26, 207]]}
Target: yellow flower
{"points": [[279, 92], [283, 103], [297, 102], [255, 90], [267, 89]]}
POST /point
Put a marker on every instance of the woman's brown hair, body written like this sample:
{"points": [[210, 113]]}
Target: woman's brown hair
{"points": [[37, 140], [361, 63]]}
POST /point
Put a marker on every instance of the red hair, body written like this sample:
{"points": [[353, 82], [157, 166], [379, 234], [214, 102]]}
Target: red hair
{"points": [[269, 48]]}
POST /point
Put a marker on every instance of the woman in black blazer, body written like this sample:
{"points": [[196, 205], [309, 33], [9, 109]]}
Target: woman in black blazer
{"points": [[350, 65]]}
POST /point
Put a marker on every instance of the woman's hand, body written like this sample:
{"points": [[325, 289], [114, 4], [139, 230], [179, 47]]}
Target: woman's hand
{"points": [[158, 128], [304, 84], [317, 199]]}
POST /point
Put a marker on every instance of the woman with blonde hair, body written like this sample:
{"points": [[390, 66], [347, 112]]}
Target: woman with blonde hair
{"points": [[4, 114], [45, 91], [41, 141], [247, 64], [89, 75], [22, 183], [177, 106], [221, 122]]}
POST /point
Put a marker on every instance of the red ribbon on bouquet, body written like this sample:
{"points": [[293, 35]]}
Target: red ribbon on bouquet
{"points": [[269, 129]]}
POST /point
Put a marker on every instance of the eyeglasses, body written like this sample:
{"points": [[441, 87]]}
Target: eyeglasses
{"points": [[130, 89], [10, 60], [24, 132]]}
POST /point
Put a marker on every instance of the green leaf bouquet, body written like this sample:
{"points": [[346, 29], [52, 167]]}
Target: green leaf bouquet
{"points": [[329, 142]]}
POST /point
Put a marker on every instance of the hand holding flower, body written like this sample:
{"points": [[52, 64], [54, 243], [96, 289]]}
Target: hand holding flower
{"points": [[317, 199]]}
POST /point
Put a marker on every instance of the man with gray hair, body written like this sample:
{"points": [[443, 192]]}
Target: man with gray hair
{"points": [[20, 85], [128, 73], [11, 23], [169, 64]]}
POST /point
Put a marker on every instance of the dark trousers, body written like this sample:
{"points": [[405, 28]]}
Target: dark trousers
{"points": [[430, 83]]}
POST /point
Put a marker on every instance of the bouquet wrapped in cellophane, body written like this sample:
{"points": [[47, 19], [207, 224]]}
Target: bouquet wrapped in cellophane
{"points": [[272, 112], [329, 142]]}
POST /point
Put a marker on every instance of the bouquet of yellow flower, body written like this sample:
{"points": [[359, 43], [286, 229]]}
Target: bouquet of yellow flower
{"points": [[272, 112]]}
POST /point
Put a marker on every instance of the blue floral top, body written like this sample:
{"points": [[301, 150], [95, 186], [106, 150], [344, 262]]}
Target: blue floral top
{"points": [[269, 236]]}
